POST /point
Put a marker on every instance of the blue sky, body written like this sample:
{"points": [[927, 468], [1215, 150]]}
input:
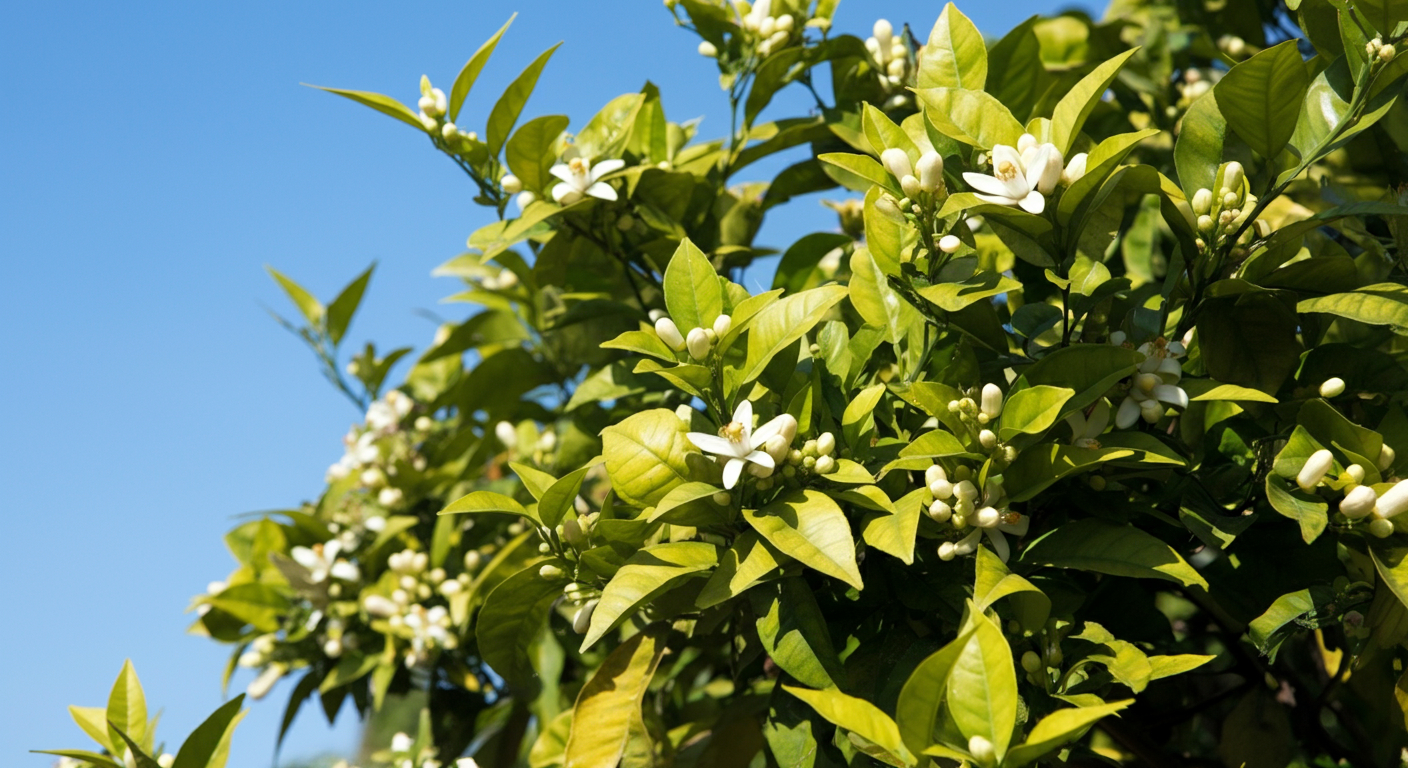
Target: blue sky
{"points": [[156, 156]]}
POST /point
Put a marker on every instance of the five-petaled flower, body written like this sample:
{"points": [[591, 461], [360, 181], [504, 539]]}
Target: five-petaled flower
{"points": [[739, 443], [1021, 176], [581, 178]]}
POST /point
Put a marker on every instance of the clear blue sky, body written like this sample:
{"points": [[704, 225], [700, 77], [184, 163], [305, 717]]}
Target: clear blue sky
{"points": [[155, 157]]}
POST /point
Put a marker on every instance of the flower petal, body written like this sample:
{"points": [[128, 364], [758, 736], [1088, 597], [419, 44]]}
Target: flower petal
{"points": [[1099, 419], [763, 458], [984, 183], [999, 544], [563, 171], [768, 430], [1018, 528], [1040, 158], [1003, 153], [732, 470], [1172, 395], [561, 191], [602, 191], [1127, 414], [606, 166], [998, 199], [1077, 424], [1033, 203], [743, 414], [712, 443]]}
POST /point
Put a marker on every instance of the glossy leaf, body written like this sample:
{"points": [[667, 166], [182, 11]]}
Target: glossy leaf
{"points": [[807, 525], [856, 715], [972, 117], [1261, 97], [470, 72], [647, 574], [383, 104], [1033, 410], [203, 747], [778, 325], [1061, 727], [955, 56], [692, 293], [1073, 108], [1119, 550], [794, 633], [646, 456], [514, 613], [510, 104], [608, 709]]}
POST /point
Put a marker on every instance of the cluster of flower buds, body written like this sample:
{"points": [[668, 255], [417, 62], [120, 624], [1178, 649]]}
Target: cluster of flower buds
{"points": [[1378, 50], [1193, 86], [922, 181], [1224, 213], [503, 281], [508, 436], [426, 627], [322, 561], [1360, 501], [434, 113], [403, 753], [1154, 386], [373, 449], [815, 457], [979, 416], [892, 54], [957, 503], [699, 341], [771, 33], [1235, 47]]}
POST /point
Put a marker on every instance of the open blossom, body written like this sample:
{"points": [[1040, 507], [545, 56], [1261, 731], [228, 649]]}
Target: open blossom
{"points": [[740, 444], [322, 561], [1154, 385], [1019, 178], [581, 178], [1087, 428]]}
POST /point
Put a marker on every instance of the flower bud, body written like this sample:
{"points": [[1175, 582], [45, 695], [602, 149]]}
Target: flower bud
{"points": [[1202, 201], [987, 517], [262, 684], [1075, 169], [722, 325], [1151, 411], [965, 490], [1386, 458], [1232, 177], [825, 465], [698, 343], [1231, 199], [511, 184], [1386, 53], [1393, 502], [525, 199], [910, 185], [722, 498], [785, 22], [946, 552], [982, 750], [426, 104], [940, 511], [931, 171], [550, 572], [1315, 468], [934, 472], [992, 400], [826, 444], [883, 31], [166, 760], [1355, 473], [582, 621], [941, 489], [1381, 528], [670, 334], [1333, 387], [950, 243], [1031, 662], [896, 161], [1025, 143], [1358, 502], [887, 205], [573, 534], [988, 439], [776, 447], [708, 49], [506, 434], [1206, 224]]}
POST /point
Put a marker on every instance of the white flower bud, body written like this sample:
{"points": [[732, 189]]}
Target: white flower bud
{"points": [[965, 490], [1333, 387], [1386, 458], [987, 517], [524, 199], [1025, 143], [1358, 502], [448, 131], [950, 244], [992, 400], [825, 465], [698, 343], [934, 472], [988, 439], [262, 684], [332, 648], [472, 559], [1314, 470], [389, 497], [910, 185], [511, 184], [931, 171], [426, 104], [1206, 224], [708, 49], [1381, 528], [1355, 473], [550, 572], [1386, 53], [941, 489], [670, 334], [896, 161], [722, 325], [507, 435], [1393, 502], [982, 750], [582, 621], [826, 444], [1232, 177], [1202, 201], [401, 742], [896, 68], [883, 31], [1075, 169], [940, 511], [166, 760], [573, 534]]}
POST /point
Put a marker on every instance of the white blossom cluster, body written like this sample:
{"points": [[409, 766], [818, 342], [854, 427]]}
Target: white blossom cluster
{"points": [[373, 448], [894, 58], [1154, 386], [699, 341], [955, 500], [414, 609], [434, 116], [1360, 501], [1025, 175]]}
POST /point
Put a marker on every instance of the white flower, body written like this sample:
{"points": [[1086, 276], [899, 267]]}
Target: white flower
{"points": [[1358, 502], [381, 607], [401, 742], [389, 497], [1075, 169], [1086, 430], [740, 444], [261, 685], [506, 434], [1018, 179], [321, 561], [580, 177], [1153, 384]]}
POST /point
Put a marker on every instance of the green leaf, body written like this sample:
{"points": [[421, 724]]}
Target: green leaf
{"points": [[561, 495], [530, 152], [858, 716], [78, 754], [470, 72], [310, 307], [641, 342], [606, 134], [1261, 97], [94, 722], [1201, 390], [993, 581], [981, 692], [646, 456], [743, 565], [972, 117], [807, 525], [923, 693], [1058, 728], [1119, 550], [1384, 15], [510, 104], [1033, 410], [1073, 108], [891, 531], [342, 308], [859, 172], [952, 297], [876, 301], [350, 668], [647, 574], [693, 295], [1249, 340], [608, 710], [1270, 629], [858, 417], [1198, 152], [955, 56], [794, 633], [777, 326], [1377, 304], [686, 505], [1090, 369], [1168, 666], [513, 615], [127, 706], [383, 104], [140, 757], [201, 748]]}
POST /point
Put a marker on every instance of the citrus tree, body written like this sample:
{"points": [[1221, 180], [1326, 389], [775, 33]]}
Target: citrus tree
{"points": [[1072, 443]]}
